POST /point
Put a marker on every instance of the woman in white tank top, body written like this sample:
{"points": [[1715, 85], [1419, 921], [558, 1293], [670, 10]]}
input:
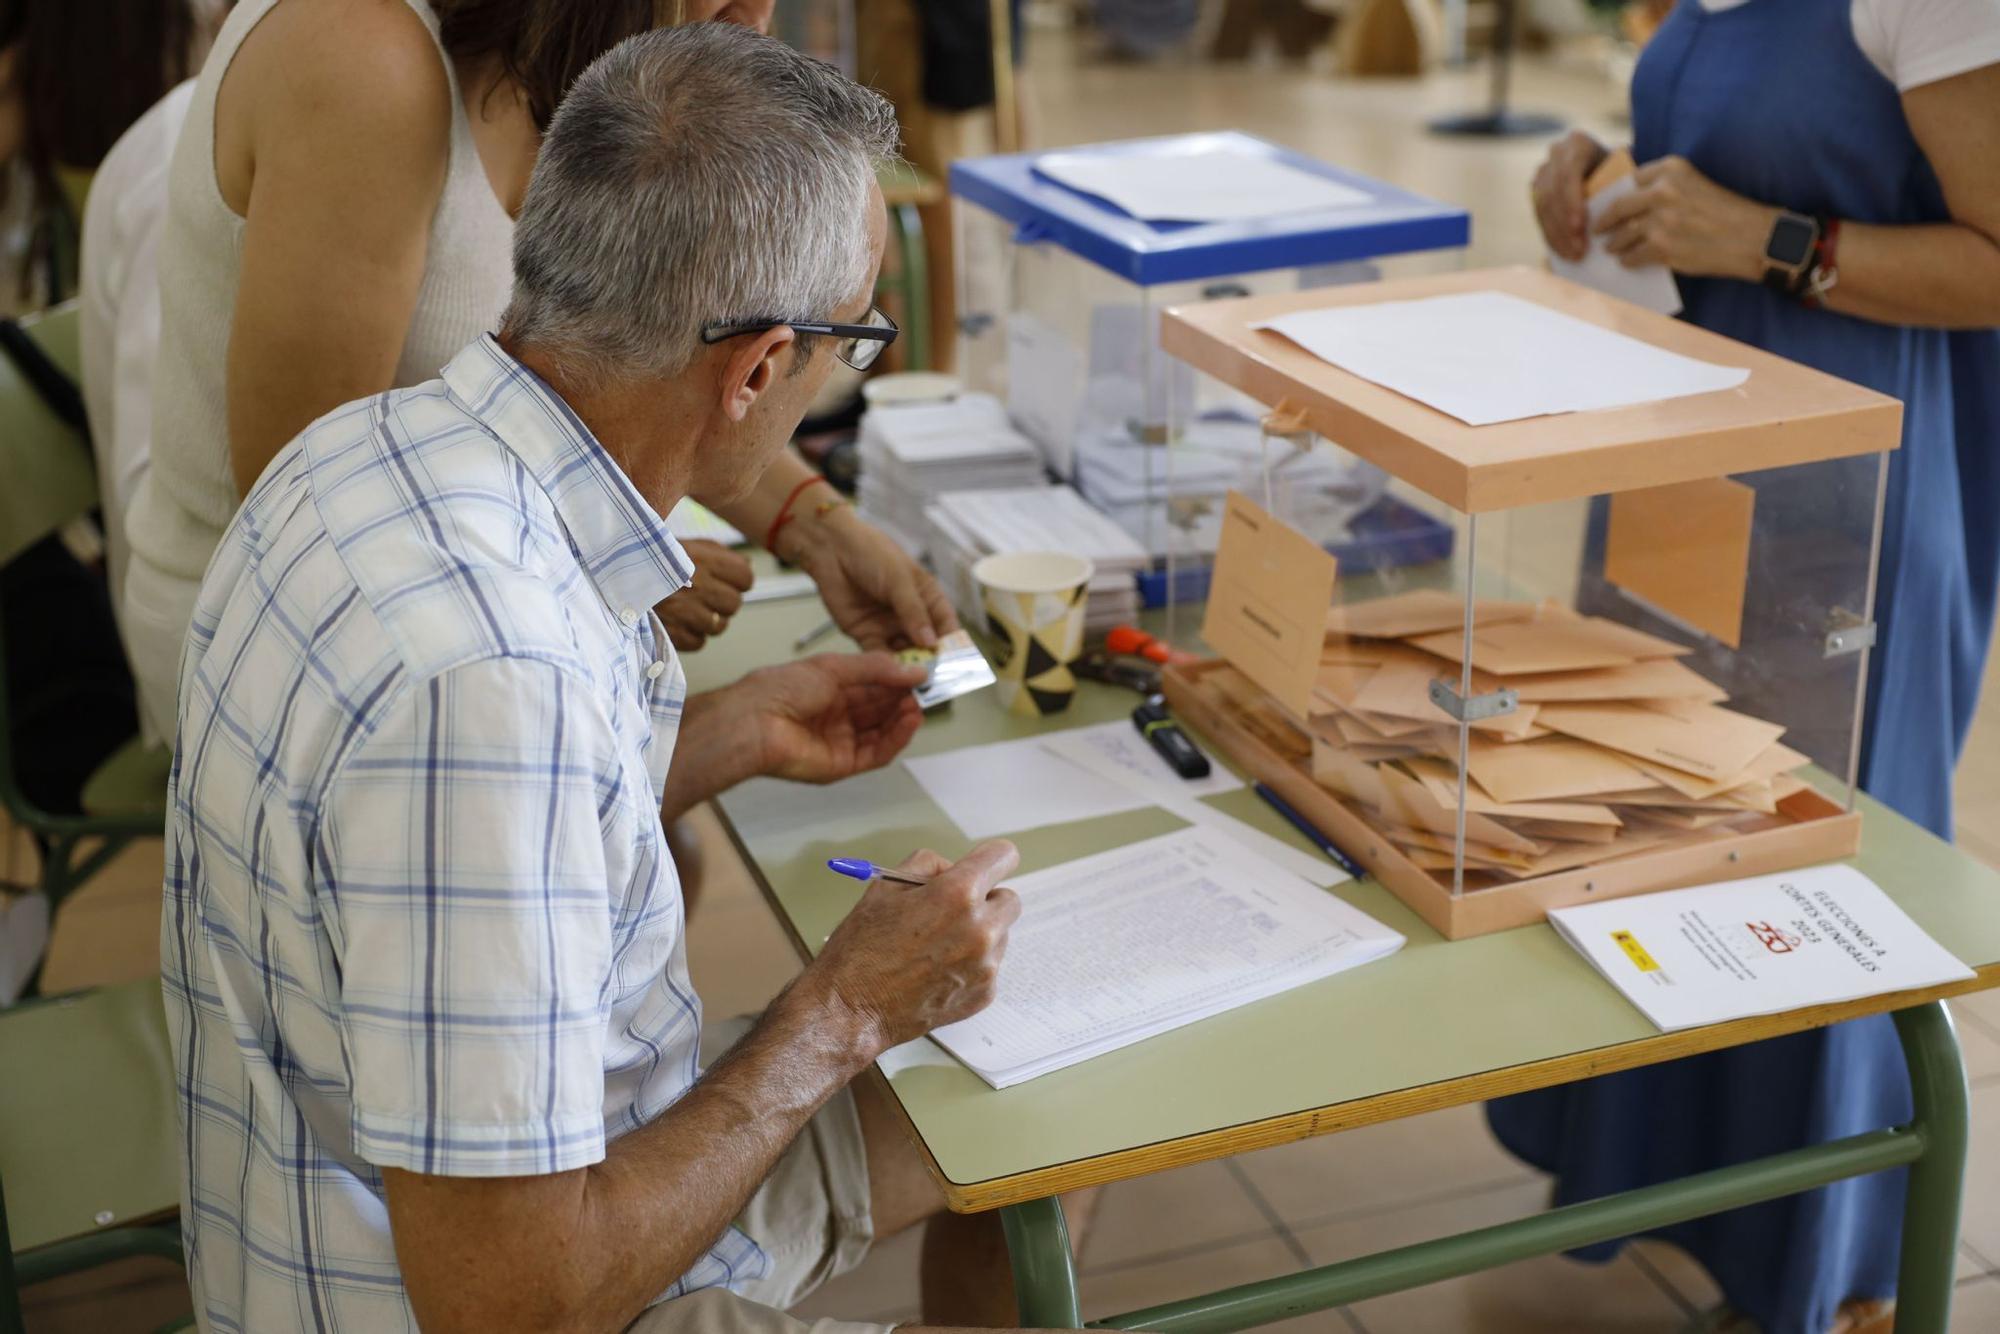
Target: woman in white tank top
{"points": [[339, 222]]}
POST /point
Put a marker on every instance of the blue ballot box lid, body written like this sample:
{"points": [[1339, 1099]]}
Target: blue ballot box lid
{"points": [[1394, 222]]}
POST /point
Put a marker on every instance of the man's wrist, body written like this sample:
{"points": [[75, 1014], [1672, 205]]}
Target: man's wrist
{"points": [[813, 1006], [715, 748], [814, 523]]}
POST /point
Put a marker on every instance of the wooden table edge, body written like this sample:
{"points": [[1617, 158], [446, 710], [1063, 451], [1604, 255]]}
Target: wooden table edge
{"points": [[1227, 1141]]}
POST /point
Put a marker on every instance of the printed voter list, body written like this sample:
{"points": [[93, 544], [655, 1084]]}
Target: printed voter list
{"points": [[1763, 945]]}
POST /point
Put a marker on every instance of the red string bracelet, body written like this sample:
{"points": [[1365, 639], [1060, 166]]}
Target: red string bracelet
{"points": [[784, 515]]}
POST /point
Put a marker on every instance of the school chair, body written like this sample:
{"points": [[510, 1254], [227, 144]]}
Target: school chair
{"points": [[50, 481], [88, 1141]]}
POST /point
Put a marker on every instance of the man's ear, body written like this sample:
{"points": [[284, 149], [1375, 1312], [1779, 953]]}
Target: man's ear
{"points": [[755, 363]]}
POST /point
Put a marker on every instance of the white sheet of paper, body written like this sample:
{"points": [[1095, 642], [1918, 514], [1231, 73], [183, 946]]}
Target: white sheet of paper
{"points": [[1216, 185], [1487, 357], [1652, 286], [690, 519], [1169, 793], [1763, 945], [1007, 786], [1121, 946], [1044, 386]]}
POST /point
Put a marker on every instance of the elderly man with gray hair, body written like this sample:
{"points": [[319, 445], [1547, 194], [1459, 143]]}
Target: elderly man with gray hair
{"points": [[424, 951]]}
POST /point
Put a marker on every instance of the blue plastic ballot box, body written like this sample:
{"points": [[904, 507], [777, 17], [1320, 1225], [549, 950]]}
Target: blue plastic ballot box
{"points": [[1065, 260]]}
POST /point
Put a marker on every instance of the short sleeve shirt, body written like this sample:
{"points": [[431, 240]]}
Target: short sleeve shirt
{"points": [[419, 907]]}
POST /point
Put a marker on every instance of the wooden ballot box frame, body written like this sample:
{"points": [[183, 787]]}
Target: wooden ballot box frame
{"points": [[1782, 416]]}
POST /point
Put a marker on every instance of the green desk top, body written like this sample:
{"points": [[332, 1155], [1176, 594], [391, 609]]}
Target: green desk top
{"points": [[1364, 1046]]}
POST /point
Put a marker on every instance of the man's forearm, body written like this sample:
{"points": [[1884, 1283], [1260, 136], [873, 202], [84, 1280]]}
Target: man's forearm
{"points": [[716, 749], [664, 1193], [753, 514]]}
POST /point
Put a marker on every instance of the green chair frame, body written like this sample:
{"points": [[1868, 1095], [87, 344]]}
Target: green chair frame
{"points": [[51, 481], [88, 1137], [905, 190]]}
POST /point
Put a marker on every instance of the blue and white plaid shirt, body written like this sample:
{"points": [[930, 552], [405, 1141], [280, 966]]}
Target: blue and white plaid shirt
{"points": [[419, 907]]}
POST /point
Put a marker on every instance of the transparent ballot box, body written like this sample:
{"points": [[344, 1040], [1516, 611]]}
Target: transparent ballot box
{"points": [[1643, 662], [1066, 258]]}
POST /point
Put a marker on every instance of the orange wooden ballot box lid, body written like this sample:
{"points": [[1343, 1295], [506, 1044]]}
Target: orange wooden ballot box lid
{"points": [[1783, 414]]}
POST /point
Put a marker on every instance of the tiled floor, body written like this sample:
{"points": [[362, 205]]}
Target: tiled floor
{"points": [[1220, 1223]]}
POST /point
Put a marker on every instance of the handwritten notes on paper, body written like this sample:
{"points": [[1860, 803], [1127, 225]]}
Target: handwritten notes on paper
{"points": [[1140, 940]]}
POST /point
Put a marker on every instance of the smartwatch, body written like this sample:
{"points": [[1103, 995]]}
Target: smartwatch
{"points": [[1788, 253]]}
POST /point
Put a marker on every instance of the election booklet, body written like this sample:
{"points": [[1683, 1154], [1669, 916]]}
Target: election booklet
{"points": [[1764, 945]]}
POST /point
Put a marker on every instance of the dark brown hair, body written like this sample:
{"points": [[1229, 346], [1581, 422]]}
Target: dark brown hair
{"points": [[544, 44], [83, 76]]}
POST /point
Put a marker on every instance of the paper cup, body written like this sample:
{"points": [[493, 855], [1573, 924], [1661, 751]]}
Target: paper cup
{"points": [[1034, 611]]}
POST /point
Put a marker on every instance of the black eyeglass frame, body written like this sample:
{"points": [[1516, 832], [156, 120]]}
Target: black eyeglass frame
{"points": [[884, 333]]}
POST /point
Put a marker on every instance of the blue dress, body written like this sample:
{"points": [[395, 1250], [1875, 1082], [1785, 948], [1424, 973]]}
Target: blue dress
{"points": [[1774, 100]]}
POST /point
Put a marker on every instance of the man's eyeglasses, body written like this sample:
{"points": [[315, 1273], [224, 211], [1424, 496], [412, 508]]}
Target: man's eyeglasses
{"points": [[859, 345]]}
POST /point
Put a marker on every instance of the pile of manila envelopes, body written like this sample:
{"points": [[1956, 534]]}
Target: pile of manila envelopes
{"points": [[1616, 747]]}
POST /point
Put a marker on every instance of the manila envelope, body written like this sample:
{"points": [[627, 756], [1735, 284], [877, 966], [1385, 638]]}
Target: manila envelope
{"points": [[1441, 777], [1267, 602], [1706, 740], [1552, 769], [1685, 549], [1653, 678], [1475, 854], [1338, 683], [1401, 687], [1418, 612], [1410, 803], [1775, 759], [1564, 831], [1548, 643]]}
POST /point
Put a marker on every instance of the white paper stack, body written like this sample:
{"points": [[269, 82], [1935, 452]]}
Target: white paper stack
{"points": [[1139, 941], [1317, 491], [963, 526], [913, 453]]}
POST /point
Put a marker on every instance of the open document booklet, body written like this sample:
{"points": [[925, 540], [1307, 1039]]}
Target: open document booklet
{"points": [[1121, 946], [1763, 945]]}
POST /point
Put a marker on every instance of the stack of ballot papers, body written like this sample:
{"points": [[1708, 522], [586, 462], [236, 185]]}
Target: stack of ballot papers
{"points": [[960, 527], [1318, 490], [1144, 939], [1616, 746], [912, 453], [1764, 945]]}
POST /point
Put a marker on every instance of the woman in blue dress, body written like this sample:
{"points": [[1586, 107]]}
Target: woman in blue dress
{"points": [[1823, 176]]}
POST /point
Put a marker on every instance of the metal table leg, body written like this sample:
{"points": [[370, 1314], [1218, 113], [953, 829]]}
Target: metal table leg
{"points": [[1937, 1179], [1044, 1270], [1932, 1145]]}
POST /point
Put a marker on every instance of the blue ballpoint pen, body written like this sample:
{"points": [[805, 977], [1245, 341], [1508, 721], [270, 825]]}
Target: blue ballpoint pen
{"points": [[1306, 827], [862, 869]]}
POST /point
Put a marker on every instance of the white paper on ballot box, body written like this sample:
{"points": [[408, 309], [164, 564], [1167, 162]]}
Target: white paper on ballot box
{"points": [[1213, 185], [1487, 357]]}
